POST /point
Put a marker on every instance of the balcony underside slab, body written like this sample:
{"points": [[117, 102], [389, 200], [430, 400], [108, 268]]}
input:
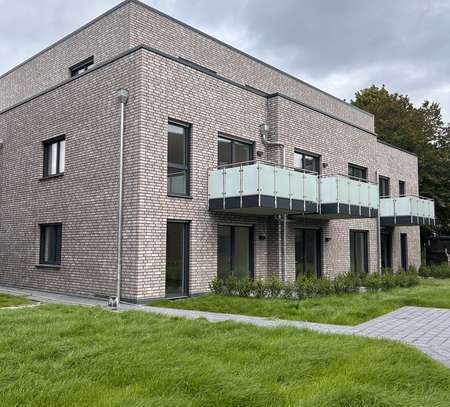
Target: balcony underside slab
{"points": [[406, 221], [263, 204]]}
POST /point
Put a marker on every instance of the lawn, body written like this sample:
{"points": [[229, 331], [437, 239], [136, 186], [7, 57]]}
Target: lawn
{"points": [[12, 301], [77, 356], [346, 309]]}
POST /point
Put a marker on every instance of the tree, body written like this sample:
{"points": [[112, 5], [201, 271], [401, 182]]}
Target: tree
{"points": [[420, 130]]}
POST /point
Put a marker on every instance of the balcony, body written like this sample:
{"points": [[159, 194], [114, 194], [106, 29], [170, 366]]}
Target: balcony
{"points": [[406, 210], [262, 188], [258, 187], [342, 196]]}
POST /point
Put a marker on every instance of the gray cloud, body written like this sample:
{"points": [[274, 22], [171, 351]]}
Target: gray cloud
{"points": [[339, 46]]}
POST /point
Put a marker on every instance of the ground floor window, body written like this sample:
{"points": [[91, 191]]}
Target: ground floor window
{"points": [[404, 250], [50, 247], [177, 259], [307, 252], [386, 250], [235, 251], [359, 251]]}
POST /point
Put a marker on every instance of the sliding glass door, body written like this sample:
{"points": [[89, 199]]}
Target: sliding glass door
{"points": [[177, 259], [235, 251], [307, 252], [359, 251]]}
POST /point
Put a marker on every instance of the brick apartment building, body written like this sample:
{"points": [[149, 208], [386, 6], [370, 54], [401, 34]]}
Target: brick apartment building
{"points": [[230, 166]]}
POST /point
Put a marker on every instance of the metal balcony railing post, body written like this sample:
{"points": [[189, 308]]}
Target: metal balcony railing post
{"points": [[303, 191], [241, 184], [290, 190], [258, 190], [337, 194], [349, 201]]}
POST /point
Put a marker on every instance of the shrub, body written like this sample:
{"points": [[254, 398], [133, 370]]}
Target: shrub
{"points": [[274, 287], [310, 287], [435, 270], [260, 289], [244, 287]]}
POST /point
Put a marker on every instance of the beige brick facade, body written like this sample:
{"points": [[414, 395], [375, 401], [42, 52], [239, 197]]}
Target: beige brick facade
{"points": [[85, 109]]}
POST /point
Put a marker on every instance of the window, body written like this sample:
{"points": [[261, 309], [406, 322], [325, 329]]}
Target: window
{"points": [[54, 156], [178, 159], [177, 276], [81, 67], [306, 161], [307, 251], [384, 186], [357, 172], [359, 257], [235, 251], [401, 188], [50, 249], [232, 151]]}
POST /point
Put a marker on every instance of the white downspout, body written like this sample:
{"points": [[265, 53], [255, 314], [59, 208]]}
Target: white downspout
{"points": [[264, 131], [122, 96]]}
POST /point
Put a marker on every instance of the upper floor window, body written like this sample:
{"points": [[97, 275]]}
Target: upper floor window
{"points": [[178, 159], [54, 156], [82, 66], [307, 161], [401, 188], [50, 248], [233, 151], [384, 186], [357, 172]]}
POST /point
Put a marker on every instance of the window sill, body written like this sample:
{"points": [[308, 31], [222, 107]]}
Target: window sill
{"points": [[48, 266], [51, 177], [179, 196]]}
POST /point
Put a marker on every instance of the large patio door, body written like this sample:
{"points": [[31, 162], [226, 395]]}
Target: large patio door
{"points": [[177, 276], [235, 251], [307, 252]]}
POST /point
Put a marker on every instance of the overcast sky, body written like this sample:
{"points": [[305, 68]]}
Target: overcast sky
{"points": [[339, 46]]}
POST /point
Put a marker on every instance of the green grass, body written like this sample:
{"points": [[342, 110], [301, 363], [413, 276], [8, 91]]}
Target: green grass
{"points": [[74, 356], [346, 309], [12, 301]]}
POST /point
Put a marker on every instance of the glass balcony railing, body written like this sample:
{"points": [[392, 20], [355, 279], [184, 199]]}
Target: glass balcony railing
{"points": [[261, 187], [348, 196], [406, 210]]}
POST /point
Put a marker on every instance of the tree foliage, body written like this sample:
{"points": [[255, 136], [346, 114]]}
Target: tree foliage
{"points": [[420, 130]]}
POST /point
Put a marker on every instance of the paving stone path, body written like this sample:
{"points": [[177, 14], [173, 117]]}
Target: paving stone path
{"points": [[428, 329]]}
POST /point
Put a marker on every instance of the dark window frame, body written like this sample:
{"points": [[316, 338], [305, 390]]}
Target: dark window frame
{"points": [[47, 146], [186, 252], [58, 244], [318, 250], [353, 251], [359, 168], [233, 140], [401, 188], [84, 65], [251, 245], [315, 156], [186, 168], [388, 183], [388, 236]]}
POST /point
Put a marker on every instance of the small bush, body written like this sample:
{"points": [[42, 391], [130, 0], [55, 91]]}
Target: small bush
{"points": [[274, 287], [435, 270], [245, 287], [260, 289]]}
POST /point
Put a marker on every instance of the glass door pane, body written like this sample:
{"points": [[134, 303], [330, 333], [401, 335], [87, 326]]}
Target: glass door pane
{"points": [[404, 250], [307, 252], [224, 252], [241, 260], [386, 250], [358, 252], [176, 260]]}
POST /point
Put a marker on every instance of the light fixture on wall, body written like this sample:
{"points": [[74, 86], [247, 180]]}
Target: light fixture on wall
{"points": [[259, 153], [1, 143], [327, 239], [324, 165]]}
